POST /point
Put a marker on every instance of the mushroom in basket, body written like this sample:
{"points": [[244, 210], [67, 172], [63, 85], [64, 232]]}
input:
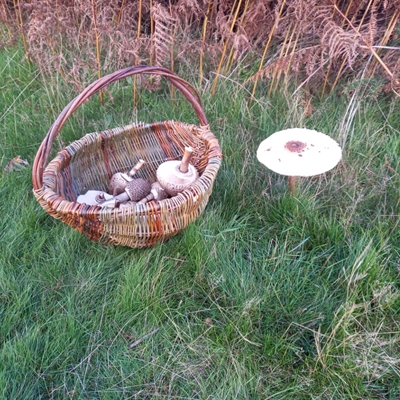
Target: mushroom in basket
{"points": [[135, 190], [175, 176], [120, 180]]}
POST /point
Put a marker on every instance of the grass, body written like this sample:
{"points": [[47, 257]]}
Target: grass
{"points": [[265, 296]]}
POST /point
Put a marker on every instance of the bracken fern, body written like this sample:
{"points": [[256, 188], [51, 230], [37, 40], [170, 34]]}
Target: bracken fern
{"points": [[315, 41]]}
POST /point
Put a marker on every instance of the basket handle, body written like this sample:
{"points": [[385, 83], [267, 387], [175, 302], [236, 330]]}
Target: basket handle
{"points": [[184, 87]]}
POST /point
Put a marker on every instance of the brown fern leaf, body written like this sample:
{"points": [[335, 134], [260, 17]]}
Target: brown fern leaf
{"points": [[340, 44], [370, 31], [221, 26], [163, 36], [241, 45], [337, 42], [297, 61], [190, 11], [258, 21]]}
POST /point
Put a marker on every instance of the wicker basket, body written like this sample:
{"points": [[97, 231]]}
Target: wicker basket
{"points": [[90, 162]]}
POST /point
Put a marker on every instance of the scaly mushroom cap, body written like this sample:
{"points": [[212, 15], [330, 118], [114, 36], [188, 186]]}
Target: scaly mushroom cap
{"points": [[299, 152], [138, 188], [118, 183], [156, 193], [173, 180]]}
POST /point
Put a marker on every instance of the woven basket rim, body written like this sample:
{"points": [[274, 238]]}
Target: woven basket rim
{"points": [[75, 208]]}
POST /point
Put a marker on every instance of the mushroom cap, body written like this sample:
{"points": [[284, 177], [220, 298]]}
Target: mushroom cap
{"points": [[138, 188], [118, 183], [299, 152], [158, 191], [172, 179], [91, 197]]}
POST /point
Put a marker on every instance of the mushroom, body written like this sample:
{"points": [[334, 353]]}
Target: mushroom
{"points": [[175, 176], [299, 152], [136, 168], [135, 190], [118, 183], [156, 193], [120, 180], [93, 198]]}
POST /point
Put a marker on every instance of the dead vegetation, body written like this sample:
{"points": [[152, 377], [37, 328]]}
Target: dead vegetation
{"points": [[315, 42]]}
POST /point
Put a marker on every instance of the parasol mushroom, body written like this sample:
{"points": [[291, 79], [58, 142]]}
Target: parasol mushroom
{"points": [[119, 181], [299, 152], [135, 190], [93, 197], [156, 193], [175, 176]]}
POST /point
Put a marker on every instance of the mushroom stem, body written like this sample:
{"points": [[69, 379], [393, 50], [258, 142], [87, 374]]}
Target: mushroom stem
{"points": [[184, 167], [136, 168], [292, 184]]}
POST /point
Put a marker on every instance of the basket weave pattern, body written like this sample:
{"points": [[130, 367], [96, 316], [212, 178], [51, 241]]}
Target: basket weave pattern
{"points": [[90, 162]]}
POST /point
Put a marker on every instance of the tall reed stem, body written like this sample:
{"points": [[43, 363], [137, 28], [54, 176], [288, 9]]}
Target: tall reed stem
{"points": [[388, 33], [139, 28], [96, 33], [6, 18], [151, 29], [283, 54], [225, 47], [20, 21], [271, 33], [171, 52], [231, 57], [203, 40], [121, 9], [292, 54]]}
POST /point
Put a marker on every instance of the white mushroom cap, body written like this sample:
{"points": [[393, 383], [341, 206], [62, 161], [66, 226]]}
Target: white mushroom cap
{"points": [[91, 197], [299, 152]]}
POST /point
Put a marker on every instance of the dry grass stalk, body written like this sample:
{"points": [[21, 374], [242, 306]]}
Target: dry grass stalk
{"points": [[260, 68], [171, 50], [139, 26], [237, 42], [225, 47], [20, 21], [120, 12], [96, 34], [4, 18], [203, 40]]}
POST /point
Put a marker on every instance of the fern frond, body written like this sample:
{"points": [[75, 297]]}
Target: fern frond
{"points": [[304, 57], [371, 29], [191, 10], [163, 38], [337, 42]]}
